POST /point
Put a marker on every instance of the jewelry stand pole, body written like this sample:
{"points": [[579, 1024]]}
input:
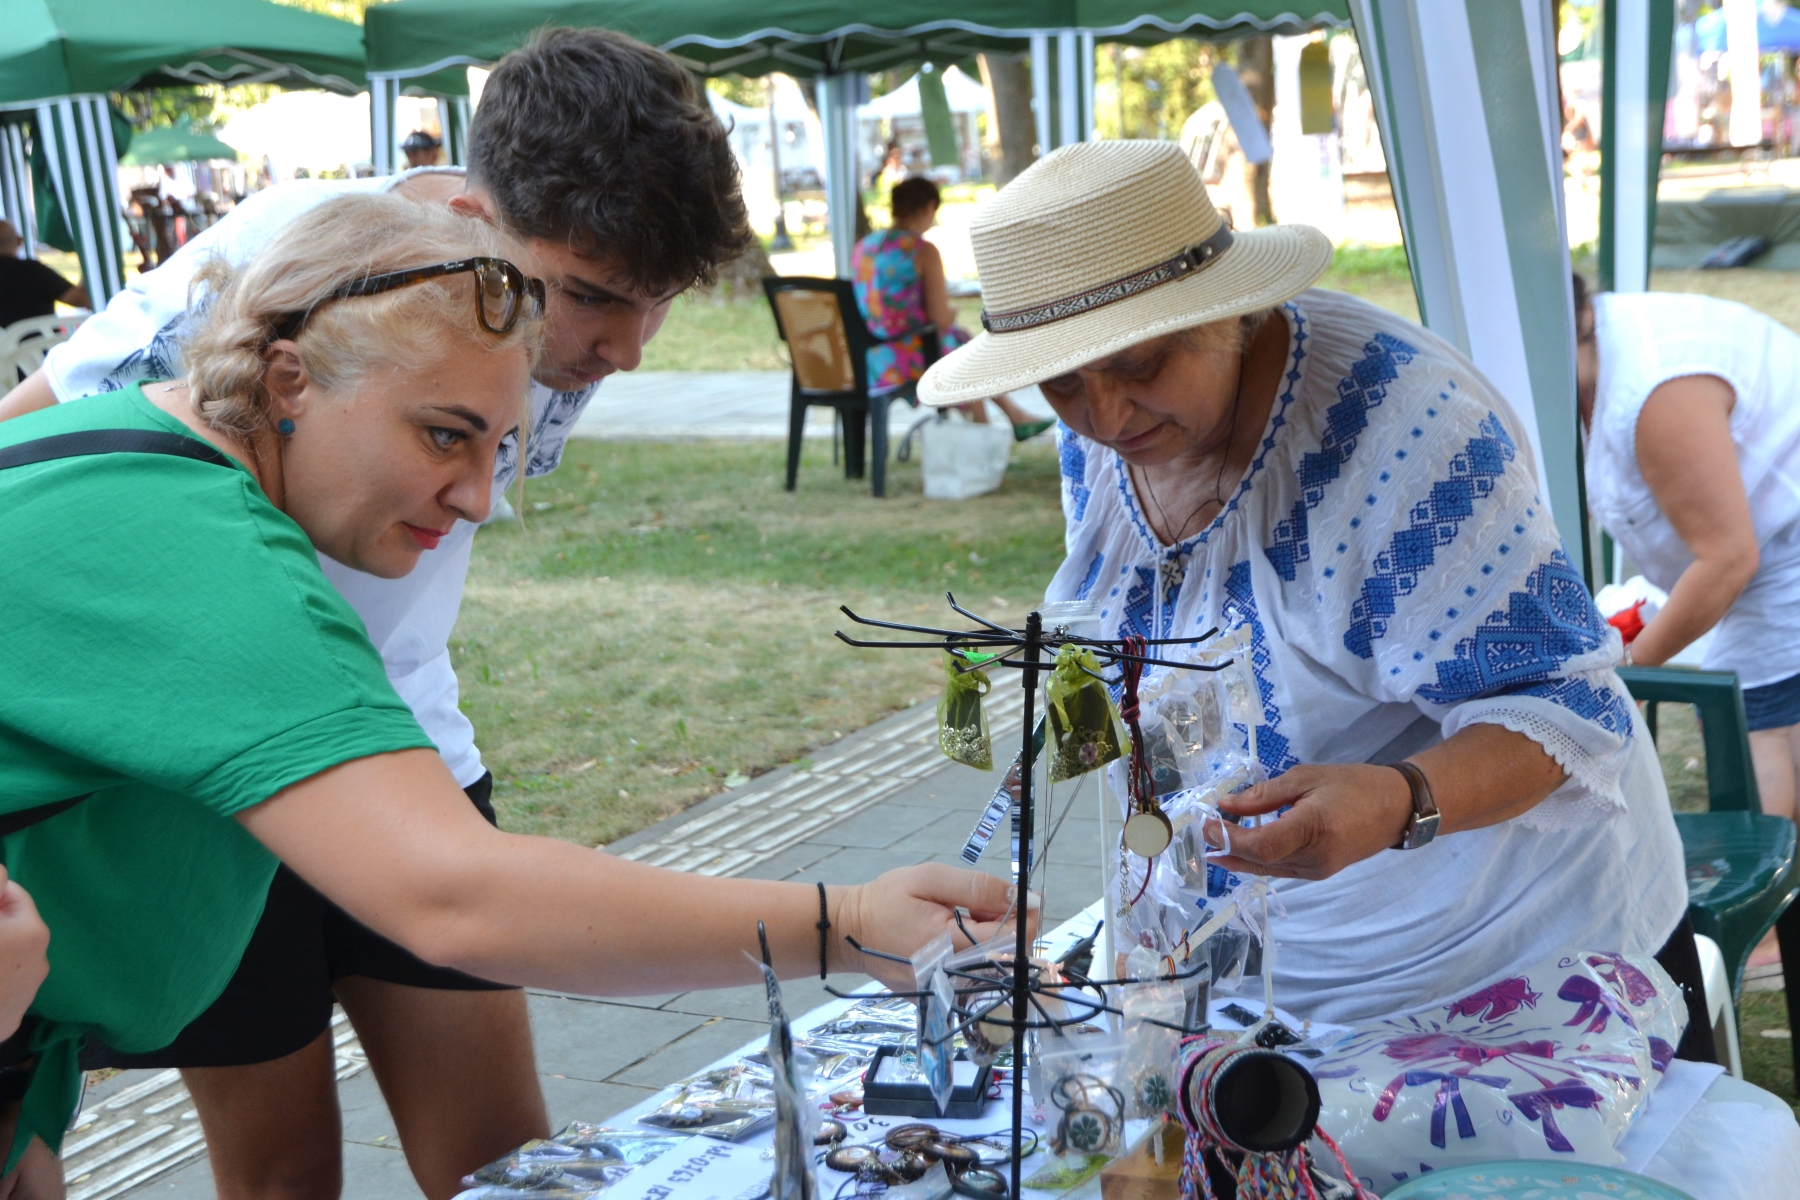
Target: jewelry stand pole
{"points": [[1021, 997]]}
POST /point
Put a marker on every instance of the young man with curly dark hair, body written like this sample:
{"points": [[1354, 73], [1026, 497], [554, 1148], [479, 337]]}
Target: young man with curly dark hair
{"points": [[602, 161]]}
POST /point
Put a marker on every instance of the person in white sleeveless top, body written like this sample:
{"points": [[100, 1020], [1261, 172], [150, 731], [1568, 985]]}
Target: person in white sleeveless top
{"points": [[1692, 407], [1242, 451]]}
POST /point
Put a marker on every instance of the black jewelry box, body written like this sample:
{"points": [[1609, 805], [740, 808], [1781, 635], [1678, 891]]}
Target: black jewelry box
{"points": [[914, 1099]]}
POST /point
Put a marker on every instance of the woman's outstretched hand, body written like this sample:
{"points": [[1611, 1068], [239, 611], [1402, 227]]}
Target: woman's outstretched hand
{"points": [[1340, 815], [24, 941], [900, 911]]}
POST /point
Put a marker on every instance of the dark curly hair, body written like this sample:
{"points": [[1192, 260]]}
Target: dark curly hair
{"points": [[589, 137], [913, 194]]}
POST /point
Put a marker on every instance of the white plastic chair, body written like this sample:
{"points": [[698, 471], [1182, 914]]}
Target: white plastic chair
{"points": [[1719, 1008], [23, 345]]}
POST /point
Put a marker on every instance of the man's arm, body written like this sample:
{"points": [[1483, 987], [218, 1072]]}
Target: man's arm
{"points": [[76, 297], [33, 394]]}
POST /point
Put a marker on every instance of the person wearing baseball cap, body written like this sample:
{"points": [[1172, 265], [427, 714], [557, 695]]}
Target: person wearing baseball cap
{"points": [[1241, 450], [423, 149]]}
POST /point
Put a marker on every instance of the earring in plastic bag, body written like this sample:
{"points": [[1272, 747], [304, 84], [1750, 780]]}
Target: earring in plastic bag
{"points": [[962, 722], [1085, 732], [1147, 830]]}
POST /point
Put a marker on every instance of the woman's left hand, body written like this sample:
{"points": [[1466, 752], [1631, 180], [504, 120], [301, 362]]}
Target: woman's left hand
{"points": [[1340, 815]]}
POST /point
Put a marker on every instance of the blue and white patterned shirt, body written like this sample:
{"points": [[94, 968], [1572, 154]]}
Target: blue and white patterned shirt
{"points": [[1402, 579]]}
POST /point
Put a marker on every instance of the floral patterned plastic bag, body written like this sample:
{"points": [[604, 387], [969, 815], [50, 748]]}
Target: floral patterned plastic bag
{"points": [[1552, 1062]]}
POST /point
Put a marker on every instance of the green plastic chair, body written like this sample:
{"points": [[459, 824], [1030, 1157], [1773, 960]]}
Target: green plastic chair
{"points": [[1742, 872]]}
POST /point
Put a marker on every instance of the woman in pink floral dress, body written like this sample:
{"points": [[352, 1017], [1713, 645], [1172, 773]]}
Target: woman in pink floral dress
{"points": [[899, 286]]}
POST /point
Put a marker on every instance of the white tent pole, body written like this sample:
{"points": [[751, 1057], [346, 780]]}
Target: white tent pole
{"points": [[384, 93], [1088, 119], [1068, 89], [1631, 151], [1040, 89], [837, 121]]}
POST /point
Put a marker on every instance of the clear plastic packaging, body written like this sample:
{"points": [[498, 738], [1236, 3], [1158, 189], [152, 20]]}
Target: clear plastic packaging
{"points": [[725, 1104], [936, 1042], [1152, 1011], [578, 1161], [1087, 1109]]}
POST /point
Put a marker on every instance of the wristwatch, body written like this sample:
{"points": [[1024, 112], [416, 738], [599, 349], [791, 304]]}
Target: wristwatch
{"points": [[1422, 826]]}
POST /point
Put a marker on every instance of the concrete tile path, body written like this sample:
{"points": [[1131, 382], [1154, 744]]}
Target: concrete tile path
{"points": [[597, 1057]]}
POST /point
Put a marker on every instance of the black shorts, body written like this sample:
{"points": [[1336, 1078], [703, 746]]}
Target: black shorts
{"points": [[280, 998]]}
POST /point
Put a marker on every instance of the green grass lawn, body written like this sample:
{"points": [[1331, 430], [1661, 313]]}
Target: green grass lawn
{"points": [[661, 621]]}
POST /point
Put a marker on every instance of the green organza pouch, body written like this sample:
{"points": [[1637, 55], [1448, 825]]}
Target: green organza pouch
{"points": [[1085, 730], [962, 722]]}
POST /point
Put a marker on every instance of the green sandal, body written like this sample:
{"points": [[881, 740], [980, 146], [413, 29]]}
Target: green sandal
{"points": [[1027, 430]]}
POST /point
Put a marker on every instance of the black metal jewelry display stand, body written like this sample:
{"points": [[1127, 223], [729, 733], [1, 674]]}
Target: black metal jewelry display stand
{"points": [[984, 989]]}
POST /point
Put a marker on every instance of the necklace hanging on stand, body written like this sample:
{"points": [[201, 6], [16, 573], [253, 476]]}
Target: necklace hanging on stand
{"points": [[1147, 831]]}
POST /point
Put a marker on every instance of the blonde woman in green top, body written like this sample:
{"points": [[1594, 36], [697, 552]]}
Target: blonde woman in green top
{"points": [[173, 657]]}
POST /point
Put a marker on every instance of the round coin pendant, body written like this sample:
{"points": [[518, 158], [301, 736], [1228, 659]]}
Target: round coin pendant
{"points": [[1148, 832], [850, 1159]]}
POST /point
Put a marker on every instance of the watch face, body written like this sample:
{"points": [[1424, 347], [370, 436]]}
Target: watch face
{"points": [[1424, 829]]}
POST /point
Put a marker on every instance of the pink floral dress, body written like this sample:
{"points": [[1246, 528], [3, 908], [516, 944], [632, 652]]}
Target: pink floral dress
{"points": [[891, 295]]}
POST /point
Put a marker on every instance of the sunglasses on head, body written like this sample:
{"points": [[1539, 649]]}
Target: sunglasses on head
{"points": [[502, 291]]}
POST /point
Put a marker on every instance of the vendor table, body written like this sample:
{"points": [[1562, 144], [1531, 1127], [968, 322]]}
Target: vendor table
{"points": [[1714, 1137]]}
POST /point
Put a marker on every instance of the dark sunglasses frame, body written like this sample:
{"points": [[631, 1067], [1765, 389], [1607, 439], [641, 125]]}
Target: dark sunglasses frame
{"points": [[515, 283]]}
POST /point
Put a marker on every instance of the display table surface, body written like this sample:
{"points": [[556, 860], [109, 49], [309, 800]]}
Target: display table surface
{"points": [[1704, 1132]]}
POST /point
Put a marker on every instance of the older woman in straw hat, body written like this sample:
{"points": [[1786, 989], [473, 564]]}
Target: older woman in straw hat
{"points": [[1240, 450]]}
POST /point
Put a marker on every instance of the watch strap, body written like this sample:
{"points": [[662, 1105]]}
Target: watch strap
{"points": [[1421, 827]]}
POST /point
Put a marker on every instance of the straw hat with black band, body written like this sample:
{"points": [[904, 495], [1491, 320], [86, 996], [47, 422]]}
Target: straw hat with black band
{"points": [[1099, 246]]}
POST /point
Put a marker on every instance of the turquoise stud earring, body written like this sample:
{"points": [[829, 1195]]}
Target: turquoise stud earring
{"points": [[286, 426]]}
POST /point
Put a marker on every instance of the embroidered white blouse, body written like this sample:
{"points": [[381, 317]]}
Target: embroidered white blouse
{"points": [[1402, 579]]}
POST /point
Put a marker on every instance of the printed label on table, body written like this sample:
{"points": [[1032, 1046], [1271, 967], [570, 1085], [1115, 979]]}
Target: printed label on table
{"points": [[700, 1169]]}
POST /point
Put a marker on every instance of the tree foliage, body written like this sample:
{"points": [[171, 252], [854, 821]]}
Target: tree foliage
{"points": [[1148, 91]]}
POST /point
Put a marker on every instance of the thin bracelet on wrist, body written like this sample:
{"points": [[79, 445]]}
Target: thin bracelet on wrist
{"points": [[824, 930]]}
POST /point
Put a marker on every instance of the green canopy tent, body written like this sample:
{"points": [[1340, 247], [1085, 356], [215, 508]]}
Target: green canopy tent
{"points": [[835, 45], [59, 58], [176, 144]]}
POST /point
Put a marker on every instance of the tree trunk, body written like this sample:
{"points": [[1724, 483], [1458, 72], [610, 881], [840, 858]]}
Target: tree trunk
{"points": [[1008, 83], [1256, 67]]}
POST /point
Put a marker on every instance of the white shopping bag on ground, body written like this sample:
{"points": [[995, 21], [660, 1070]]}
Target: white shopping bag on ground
{"points": [[962, 459]]}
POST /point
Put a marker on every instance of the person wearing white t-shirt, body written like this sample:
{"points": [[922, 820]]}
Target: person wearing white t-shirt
{"points": [[1692, 407], [600, 159]]}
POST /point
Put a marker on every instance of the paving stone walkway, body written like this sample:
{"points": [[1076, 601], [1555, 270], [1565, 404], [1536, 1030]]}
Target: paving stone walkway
{"points": [[882, 797]]}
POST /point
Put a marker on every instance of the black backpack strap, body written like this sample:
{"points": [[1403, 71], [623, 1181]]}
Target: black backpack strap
{"points": [[110, 441], [25, 818], [77, 445]]}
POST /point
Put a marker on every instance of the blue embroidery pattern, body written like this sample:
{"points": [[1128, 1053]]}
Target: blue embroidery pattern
{"points": [[1138, 614], [1362, 389], [1093, 575], [1548, 623], [1271, 746], [1601, 705], [1074, 469], [161, 359], [1434, 523]]}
